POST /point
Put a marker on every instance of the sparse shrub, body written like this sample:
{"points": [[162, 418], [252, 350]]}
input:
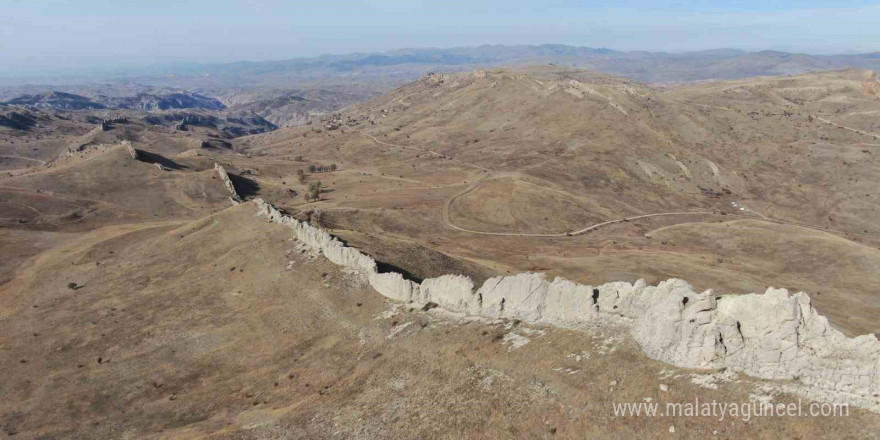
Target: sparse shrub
{"points": [[312, 168], [314, 192], [301, 176], [72, 286], [332, 167]]}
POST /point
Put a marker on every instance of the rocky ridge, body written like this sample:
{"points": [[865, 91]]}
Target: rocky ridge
{"points": [[56, 101], [131, 151], [224, 176], [775, 335]]}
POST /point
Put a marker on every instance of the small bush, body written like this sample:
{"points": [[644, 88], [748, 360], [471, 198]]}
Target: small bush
{"points": [[314, 192]]}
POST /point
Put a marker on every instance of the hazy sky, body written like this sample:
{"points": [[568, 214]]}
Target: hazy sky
{"points": [[54, 36]]}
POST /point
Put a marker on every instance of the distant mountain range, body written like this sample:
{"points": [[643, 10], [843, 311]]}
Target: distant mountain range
{"points": [[56, 100], [290, 92], [393, 68], [407, 64]]}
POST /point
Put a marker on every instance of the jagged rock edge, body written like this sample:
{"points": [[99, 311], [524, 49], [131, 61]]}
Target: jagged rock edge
{"points": [[774, 335], [234, 197]]}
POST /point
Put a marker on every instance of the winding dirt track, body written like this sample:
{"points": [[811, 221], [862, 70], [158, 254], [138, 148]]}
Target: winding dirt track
{"points": [[446, 218], [854, 130], [471, 187], [817, 117], [475, 184], [424, 150], [12, 156]]}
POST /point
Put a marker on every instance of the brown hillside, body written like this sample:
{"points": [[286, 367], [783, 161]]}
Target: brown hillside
{"points": [[449, 159]]}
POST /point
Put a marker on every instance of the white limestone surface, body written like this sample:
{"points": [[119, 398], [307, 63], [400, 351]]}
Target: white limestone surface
{"points": [[224, 177], [774, 335]]}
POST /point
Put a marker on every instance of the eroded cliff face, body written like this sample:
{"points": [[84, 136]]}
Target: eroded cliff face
{"points": [[774, 335]]}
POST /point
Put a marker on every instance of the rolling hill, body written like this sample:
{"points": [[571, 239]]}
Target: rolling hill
{"points": [[136, 301], [499, 167]]}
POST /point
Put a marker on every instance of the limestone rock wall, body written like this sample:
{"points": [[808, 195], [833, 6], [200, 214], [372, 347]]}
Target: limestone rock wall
{"points": [[395, 286], [228, 182], [453, 292], [131, 151], [774, 335]]}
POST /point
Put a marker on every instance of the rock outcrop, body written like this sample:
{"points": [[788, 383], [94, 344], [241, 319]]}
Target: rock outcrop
{"points": [[395, 286], [131, 151], [107, 124], [774, 335], [236, 199]]}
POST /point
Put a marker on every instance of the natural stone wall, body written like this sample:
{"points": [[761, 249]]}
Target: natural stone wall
{"points": [[131, 151], [226, 181], [775, 335], [453, 292], [395, 286]]}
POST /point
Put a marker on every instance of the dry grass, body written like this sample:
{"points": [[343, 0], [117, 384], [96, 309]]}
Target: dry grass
{"points": [[204, 331]]}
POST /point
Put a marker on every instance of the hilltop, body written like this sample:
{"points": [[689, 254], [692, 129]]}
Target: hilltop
{"points": [[450, 160]]}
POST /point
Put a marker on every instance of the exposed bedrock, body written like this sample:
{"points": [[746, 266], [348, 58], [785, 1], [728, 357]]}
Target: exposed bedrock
{"points": [[131, 151], [395, 286], [774, 335], [228, 183]]}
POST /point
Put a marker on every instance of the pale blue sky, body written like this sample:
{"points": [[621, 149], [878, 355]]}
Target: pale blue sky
{"points": [[54, 36]]}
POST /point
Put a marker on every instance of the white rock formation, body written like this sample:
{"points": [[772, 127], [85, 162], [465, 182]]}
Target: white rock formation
{"points": [[131, 151], [226, 181], [453, 292], [569, 304], [775, 335], [395, 286]]}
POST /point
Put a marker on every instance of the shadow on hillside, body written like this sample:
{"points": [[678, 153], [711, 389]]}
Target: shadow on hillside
{"points": [[243, 186], [383, 267], [153, 158]]}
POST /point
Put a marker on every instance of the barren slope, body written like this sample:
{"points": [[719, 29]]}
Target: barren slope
{"points": [[451, 159], [221, 328]]}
